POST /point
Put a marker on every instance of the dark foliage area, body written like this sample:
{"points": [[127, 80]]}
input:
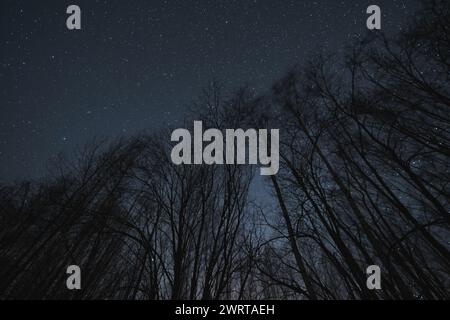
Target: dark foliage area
{"points": [[364, 179]]}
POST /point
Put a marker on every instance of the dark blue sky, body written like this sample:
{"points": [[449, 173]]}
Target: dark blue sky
{"points": [[136, 64]]}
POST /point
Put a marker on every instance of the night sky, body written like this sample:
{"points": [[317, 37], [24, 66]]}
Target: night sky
{"points": [[136, 64]]}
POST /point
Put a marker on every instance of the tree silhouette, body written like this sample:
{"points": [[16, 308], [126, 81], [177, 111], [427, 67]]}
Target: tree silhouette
{"points": [[364, 179]]}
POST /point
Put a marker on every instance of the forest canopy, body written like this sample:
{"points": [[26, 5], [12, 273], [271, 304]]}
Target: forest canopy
{"points": [[363, 179]]}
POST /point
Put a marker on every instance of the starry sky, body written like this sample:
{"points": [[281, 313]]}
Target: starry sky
{"points": [[136, 64]]}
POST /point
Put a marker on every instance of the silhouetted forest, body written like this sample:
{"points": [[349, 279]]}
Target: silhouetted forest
{"points": [[364, 179]]}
